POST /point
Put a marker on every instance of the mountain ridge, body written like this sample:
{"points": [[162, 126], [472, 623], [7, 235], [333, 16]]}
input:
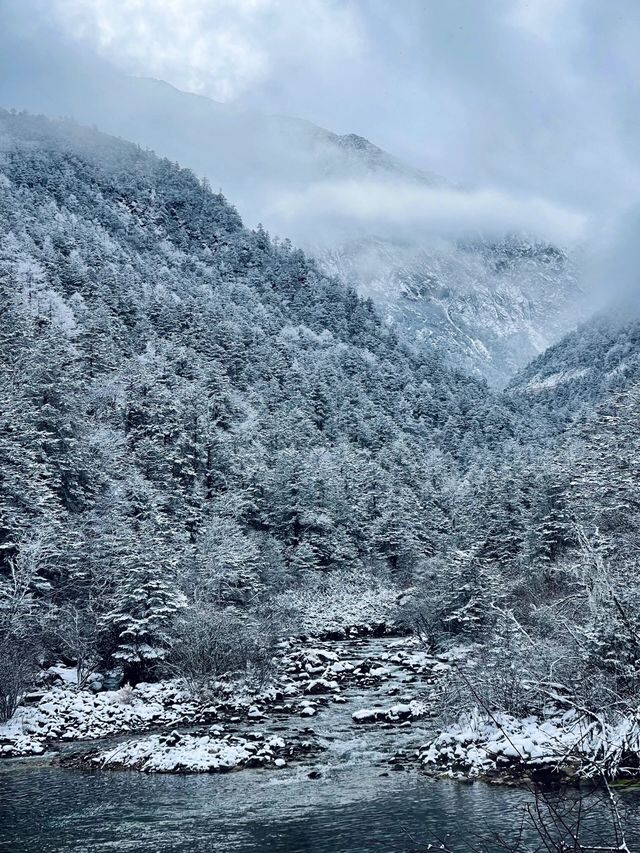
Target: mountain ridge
{"points": [[261, 161]]}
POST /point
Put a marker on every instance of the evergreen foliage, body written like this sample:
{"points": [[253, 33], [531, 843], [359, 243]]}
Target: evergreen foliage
{"points": [[195, 421]]}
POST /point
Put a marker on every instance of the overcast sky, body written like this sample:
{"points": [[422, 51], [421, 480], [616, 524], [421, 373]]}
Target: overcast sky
{"points": [[481, 90], [535, 96]]}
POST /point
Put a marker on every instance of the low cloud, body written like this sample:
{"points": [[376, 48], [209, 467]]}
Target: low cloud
{"points": [[328, 210], [611, 262], [534, 101]]}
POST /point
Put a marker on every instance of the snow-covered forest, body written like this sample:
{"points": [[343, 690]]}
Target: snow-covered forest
{"points": [[194, 417], [202, 433], [314, 509]]}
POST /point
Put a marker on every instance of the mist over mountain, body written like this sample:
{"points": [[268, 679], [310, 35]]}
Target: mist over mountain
{"points": [[471, 272], [490, 306]]}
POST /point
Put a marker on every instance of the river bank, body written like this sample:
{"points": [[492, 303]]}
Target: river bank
{"points": [[341, 687]]}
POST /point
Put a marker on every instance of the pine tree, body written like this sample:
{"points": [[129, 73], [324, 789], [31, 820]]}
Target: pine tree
{"points": [[145, 601]]}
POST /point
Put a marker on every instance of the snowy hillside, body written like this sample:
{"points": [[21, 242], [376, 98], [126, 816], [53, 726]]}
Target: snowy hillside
{"points": [[490, 308], [208, 446], [596, 362]]}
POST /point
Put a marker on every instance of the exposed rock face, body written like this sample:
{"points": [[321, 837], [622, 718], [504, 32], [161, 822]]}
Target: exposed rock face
{"points": [[491, 307]]}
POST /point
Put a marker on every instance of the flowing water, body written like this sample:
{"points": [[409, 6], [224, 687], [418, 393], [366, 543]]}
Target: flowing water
{"points": [[353, 810], [357, 803]]}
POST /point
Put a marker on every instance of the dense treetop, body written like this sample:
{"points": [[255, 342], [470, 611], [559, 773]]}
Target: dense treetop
{"points": [[194, 418], [183, 397]]}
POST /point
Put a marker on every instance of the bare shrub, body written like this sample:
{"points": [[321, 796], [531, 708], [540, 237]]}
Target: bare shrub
{"points": [[75, 632], [337, 600], [556, 821], [125, 695], [17, 668], [211, 644]]}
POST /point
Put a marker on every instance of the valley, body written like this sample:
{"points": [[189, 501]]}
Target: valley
{"points": [[357, 521]]}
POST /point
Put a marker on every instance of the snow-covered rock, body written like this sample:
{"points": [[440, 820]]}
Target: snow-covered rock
{"points": [[369, 715], [321, 685], [65, 713], [190, 754], [398, 713], [560, 744]]}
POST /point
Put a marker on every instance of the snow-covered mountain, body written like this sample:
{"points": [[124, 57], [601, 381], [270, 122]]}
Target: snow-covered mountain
{"points": [[490, 306]]}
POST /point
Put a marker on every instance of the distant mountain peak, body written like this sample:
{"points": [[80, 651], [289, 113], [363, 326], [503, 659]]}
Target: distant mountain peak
{"points": [[355, 141], [490, 307]]}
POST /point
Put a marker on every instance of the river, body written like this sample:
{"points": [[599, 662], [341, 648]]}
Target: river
{"points": [[356, 803], [48, 810]]}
